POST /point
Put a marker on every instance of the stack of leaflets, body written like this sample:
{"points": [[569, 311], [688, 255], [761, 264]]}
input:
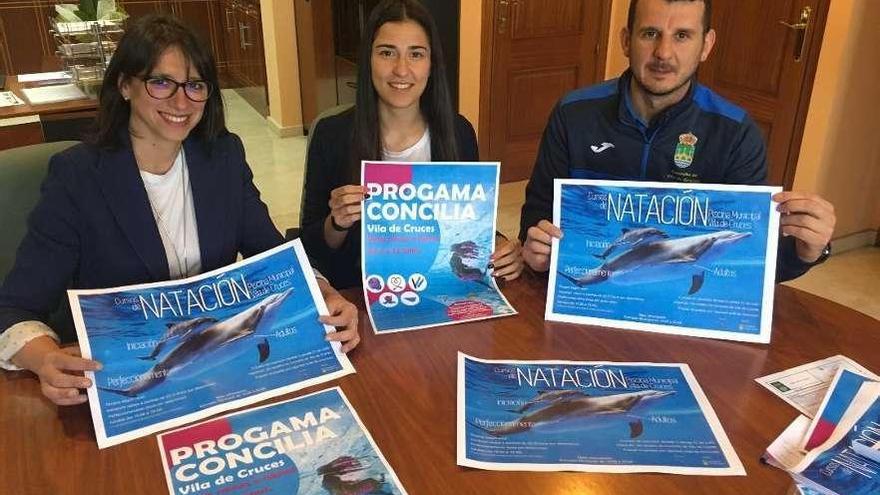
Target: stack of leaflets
{"points": [[834, 452]]}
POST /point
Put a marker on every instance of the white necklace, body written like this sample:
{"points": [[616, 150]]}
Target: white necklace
{"points": [[182, 264]]}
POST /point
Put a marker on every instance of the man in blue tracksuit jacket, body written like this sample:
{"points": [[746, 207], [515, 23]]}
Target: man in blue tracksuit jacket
{"points": [[629, 129]]}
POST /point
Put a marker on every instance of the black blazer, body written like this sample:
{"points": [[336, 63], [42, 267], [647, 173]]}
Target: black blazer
{"points": [[93, 226], [327, 167]]}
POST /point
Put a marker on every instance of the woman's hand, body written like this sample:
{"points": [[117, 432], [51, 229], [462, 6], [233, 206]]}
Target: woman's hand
{"points": [[60, 370], [506, 261], [346, 205], [343, 315]]}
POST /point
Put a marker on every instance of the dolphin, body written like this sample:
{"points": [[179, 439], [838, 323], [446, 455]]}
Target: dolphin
{"points": [[212, 346], [549, 396], [178, 330], [633, 237], [662, 260], [580, 405]]}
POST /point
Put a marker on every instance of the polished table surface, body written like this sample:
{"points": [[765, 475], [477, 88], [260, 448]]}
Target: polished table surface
{"points": [[405, 393], [63, 107]]}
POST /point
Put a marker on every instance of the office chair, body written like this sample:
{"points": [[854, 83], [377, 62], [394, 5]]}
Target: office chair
{"points": [[22, 170], [294, 232]]}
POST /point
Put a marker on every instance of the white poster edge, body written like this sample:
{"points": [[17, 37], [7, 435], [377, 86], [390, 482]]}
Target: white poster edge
{"points": [[768, 284], [335, 388], [101, 436], [363, 233], [734, 468]]}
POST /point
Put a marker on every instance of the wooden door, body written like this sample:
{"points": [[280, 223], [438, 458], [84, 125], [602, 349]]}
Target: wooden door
{"points": [[535, 51], [204, 17], [25, 31], [768, 69]]}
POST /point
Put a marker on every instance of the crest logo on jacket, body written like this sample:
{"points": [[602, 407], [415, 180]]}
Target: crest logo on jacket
{"points": [[684, 150]]}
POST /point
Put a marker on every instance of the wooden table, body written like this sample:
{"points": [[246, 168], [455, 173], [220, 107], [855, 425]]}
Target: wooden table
{"points": [[32, 132], [405, 387]]}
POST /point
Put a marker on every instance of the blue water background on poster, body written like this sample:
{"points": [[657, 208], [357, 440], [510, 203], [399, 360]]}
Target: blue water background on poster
{"points": [[421, 272], [842, 470], [263, 334], [323, 449], [652, 268], [649, 418]]}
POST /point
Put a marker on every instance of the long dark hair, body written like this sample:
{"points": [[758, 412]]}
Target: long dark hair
{"points": [[139, 49], [435, 102]]}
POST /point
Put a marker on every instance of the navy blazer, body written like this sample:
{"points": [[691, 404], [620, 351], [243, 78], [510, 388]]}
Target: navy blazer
{"points": [[93, 226]]}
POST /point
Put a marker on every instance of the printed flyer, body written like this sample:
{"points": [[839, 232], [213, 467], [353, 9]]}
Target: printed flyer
{"points": [[174, 352], [588, 416], [427, 232], [314, 444], [687, 259], [835, 466], [841, 393], [805, 386]]}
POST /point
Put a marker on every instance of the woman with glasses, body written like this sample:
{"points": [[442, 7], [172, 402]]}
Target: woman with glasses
{"points": [[161, 191], [403, 113]]}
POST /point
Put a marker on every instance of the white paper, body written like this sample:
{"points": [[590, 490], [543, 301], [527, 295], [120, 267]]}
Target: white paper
{"points": [[804, 386], [43, 76], [623, 263], [53, 94], [9, 99]]}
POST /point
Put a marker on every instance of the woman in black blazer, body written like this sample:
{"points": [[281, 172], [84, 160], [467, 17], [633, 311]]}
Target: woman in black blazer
{"points": [[403, 113], [103, 220]]}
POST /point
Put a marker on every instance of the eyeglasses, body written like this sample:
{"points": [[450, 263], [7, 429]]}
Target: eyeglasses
{"points": [[163, 88]]}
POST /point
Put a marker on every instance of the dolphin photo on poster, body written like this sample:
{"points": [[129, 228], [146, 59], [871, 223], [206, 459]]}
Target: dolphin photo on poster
{"points": [[688, 259], [588, 416], [177, 351], [311, 445], [427, 234]]}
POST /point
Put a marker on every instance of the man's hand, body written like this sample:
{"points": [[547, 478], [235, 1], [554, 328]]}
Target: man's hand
{"points": [[536, 250], [809, 219], [343, 315]]}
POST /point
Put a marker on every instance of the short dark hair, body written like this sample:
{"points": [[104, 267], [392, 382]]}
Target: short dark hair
{"points": [[707, 13], [138, 52], [435, 102]]}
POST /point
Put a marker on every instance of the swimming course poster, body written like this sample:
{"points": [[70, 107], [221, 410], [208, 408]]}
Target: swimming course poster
{"points": [[311, 445], [589, 416], [687, 259], [178, 351], [427, 232]]}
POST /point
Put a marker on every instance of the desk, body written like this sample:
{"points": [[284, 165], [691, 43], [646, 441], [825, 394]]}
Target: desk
{"points": [[31, 132], [405, 387]]}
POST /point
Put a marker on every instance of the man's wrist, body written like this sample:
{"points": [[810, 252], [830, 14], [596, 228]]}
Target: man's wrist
{"points": [[823, 256]]}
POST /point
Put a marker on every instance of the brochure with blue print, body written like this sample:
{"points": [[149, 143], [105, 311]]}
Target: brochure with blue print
{"points": [[177, 351], [835, 466], [588, 416], [315, 444], [688, 259], [840, 394], [427, 233]]}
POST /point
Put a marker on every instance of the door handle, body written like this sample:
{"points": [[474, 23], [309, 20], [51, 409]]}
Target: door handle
{"points": [[800, 29], [229, 22], [503, 15], [242, 29]]}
